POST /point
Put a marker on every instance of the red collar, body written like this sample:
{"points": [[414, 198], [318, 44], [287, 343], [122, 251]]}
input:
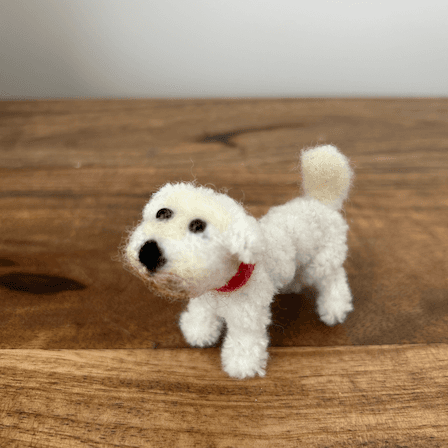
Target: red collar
{"points": [[239, 279]]}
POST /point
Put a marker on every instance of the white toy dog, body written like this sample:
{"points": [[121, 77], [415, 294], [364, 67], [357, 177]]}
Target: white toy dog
{"points": [[197, 244]]}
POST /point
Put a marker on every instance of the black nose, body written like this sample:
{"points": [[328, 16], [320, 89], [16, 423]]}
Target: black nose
{"points": [[151, 256]]}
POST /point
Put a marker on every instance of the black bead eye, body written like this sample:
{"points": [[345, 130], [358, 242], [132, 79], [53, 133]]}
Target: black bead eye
{"points": [[197, 226], [164, 213]]}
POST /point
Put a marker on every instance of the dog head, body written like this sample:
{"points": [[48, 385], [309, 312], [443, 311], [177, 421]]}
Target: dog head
{"points": [[191, 240]]}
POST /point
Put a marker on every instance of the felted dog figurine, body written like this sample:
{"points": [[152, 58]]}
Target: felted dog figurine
{"points": [[196, 244]]}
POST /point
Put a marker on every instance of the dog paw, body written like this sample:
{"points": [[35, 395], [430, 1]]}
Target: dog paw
{"points": [[200, 332], [244, 368], [332, 315], [242, 362]]}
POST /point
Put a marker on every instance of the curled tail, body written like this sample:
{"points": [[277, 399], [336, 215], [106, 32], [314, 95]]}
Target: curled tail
{"points": [[326, 175]]}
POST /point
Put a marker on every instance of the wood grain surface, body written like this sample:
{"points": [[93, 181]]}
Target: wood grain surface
{"points": [[370, 397], [74, 175]]}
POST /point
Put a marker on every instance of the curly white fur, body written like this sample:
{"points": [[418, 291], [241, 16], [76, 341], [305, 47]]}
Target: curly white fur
{"points": [[302, 242]]}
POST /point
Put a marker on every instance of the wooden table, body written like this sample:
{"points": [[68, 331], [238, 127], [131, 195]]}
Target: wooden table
{"points": [[101, 362]]}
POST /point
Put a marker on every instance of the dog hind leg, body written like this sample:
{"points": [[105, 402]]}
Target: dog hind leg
{"points": [[334, 299]]}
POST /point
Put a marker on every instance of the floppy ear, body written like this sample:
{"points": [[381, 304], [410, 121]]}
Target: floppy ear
{"points": [[244, 238]]}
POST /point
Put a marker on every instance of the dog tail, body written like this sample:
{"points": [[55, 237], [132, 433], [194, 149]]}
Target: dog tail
{"points": [[326, 175]]}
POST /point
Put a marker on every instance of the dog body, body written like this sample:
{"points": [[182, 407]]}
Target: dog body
{"points": [[199, 245]]}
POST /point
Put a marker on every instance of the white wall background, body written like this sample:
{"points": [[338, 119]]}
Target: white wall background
{"points": [[230, 48]]}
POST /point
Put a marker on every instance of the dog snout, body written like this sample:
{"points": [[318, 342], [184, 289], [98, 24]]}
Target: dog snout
{"points": [[151, 256]]}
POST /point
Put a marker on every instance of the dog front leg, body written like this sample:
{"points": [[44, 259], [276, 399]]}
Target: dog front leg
{"points": [[244, 352], [200, 324]]}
